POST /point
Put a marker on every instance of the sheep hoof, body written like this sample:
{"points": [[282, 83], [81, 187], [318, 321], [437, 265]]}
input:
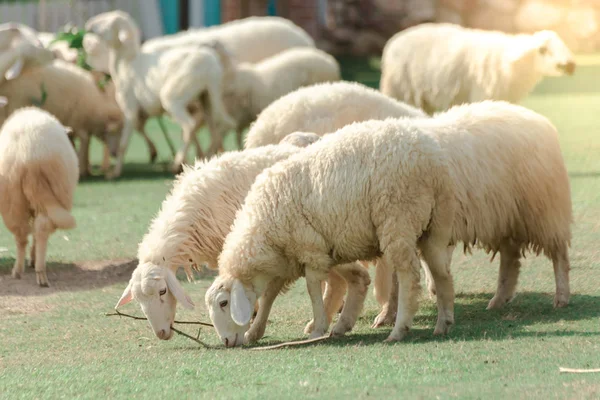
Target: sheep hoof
{"points": [[316, 334], [250, 337], [384, 318], [309, 327], [443, 327], [177, 168], [561, 301], [397, 336], [42, 279], [16, 274], [497, 302], [153, 156], [340, 330]]}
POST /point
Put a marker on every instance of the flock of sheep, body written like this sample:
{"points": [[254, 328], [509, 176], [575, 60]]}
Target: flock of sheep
{"points": [[333, 175]]}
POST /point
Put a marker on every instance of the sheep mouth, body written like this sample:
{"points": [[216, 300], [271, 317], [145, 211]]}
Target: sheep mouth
{"points": [[567, 68]]}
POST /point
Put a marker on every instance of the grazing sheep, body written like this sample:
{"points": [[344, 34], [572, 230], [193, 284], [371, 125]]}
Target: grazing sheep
{"points": [[38, 175], [181, 82], [191, 226], [255, 86], [323, 108], [70, 94], [512, 190], [373, 189], [436, 66]]}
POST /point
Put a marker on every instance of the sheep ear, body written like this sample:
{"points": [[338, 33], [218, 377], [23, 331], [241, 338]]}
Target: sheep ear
{"points": [[124, 36], [14, 71], [177, 290], [241, 310], [126, 297]]}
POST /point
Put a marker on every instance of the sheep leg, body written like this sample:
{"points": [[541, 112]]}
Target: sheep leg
{"points": [[265, 302], [436, 256], [333, 299], [189, 127], [105, 160], [408, 272], [358, 280], [313, 284], [21, 241], [163, 128], [42, 228], [32, 254], [239, 133], [387, 315], [561, 265], [150, 144], [84, 154], [428, 279], [507, 275], [216, 137], [123, 144]]}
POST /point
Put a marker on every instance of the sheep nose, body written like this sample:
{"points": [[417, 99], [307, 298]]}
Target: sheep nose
{"points": [[568, 68], [162, 334]]}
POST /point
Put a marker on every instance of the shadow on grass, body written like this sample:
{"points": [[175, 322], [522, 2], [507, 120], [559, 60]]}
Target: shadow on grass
{"points": [[589, 174], [135, 172], [65, 277], [474, 322]]}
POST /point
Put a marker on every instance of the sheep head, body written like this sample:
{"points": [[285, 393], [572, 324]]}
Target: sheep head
{"points": [[96, 52], [157, 290], [230, 305], [550, 55], [117, 29]]}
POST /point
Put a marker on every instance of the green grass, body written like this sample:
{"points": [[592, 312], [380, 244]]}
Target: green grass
{"points": [[56, 343]]}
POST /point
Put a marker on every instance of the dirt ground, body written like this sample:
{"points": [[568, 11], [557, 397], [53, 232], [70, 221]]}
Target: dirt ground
{"points": [[24, 296]]}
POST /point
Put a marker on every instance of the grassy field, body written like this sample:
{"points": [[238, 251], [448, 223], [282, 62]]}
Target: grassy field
{"points": [[56, 343]]}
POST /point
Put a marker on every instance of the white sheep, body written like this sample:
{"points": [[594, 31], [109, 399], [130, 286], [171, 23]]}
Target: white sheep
{"points": [[181, 82], [191, 226], [373, 189], [512, 190], [323, 108], [19, 48], [250, 39], [38, 175], [436, 66], [254, 86], [70, 94]]}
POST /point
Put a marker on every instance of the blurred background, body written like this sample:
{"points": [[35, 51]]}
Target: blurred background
{"points": [[340, 27]]}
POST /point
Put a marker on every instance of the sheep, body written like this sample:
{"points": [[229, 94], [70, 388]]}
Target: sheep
{"points": [[255, 86], [18, 48], [373, 189], [191, 226], [436, 66], [70, 94], [38, 175], [178, 81], [323, 108], [250, 39], [512, 189]]}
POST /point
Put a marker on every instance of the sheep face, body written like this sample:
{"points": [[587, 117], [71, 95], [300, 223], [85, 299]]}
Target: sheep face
{"points": [[553, 57], [96, 52], [115, 28], [157, 290], [230, 307]]}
